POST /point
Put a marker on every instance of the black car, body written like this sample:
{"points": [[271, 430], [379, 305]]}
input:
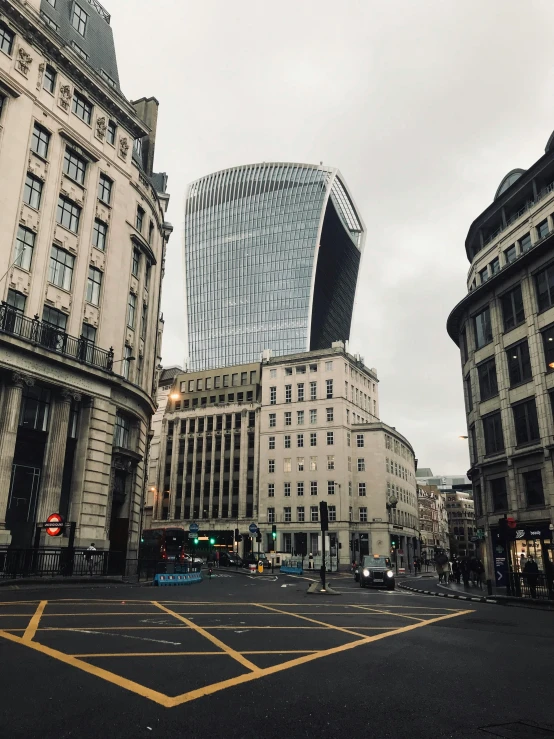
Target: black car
{"points": [[375, 571], [252, 558], [229, 559]]}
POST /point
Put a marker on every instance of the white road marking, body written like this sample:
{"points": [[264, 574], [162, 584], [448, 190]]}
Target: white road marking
{"points": [[125, 636]]}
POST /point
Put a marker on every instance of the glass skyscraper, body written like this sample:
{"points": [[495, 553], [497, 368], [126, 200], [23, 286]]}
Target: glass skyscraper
{"points": [[272, 253]]}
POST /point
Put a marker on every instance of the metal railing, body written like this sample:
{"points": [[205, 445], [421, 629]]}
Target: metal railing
{"points": [[102, 11], [56, 340], [529, 585], [514, 217], [50, 562]]}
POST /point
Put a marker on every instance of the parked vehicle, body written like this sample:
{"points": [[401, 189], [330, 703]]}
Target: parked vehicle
{"points": [[229, 559], [252, 558], [375, 571], [163, 544]]}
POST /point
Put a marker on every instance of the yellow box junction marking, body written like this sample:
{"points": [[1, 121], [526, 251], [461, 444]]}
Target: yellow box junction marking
{"points": [[254, 672]]}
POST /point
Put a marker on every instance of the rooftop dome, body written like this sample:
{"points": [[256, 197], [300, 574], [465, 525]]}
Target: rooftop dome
{"points": [[508, 180]]}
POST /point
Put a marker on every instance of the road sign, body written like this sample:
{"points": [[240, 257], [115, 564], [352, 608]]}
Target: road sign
{"points": [[194, 528], [54, 518], [253, 528], [191, 535]]}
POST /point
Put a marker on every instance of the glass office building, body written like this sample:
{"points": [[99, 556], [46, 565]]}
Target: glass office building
{"points": [[272, 253]]}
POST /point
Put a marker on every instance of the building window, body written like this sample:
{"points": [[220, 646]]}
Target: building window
{"points": [[330, 438], [111, 133], [483, 275], [544, 283], [300, 418], [486, 372], [40, 141], [359, 440], [24, 248], [272, 420], [313, 439], [313, 487], [49, 79], [332, 513], [328, 366], [361, 488], [469, 395], [542, 229], [519, 363], [330, 487], [270, 489], [483, 328], [331, 462], [526, 422], [499, 494], [288, 393], [35, 408], [512, 308], [287, 464], [16, 301], [288, 371], [82, 53], [74, 166], [54, 318], [329, 388], [525, 243], [300, 488], [139, 222], [271, 515], [348, 438], [313, 415], [300, 391], [61, 268], [548, 344], [534, 492], [492, 431], [79, 19], [105, 189], [94, 284], [288, 418], [68, 214], [32, 194], [271, 442], [6, 39], [313, 390], [287, 514], [131, 310], [361, 464], [300, 514], [299, 440], [82, 107], [363, 515], [286, 490], [313, 464], [510, 254], [100, 234], [126, 364], [286, 441], [273, 373], [495, 266], [314, 514], [135, 264], [271, 465], [272, 395]]}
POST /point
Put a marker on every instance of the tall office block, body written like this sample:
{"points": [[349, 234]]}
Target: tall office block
{"points": [[272, 254]]}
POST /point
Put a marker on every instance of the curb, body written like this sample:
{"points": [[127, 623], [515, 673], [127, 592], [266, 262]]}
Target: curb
{"points": [[449, 595]]}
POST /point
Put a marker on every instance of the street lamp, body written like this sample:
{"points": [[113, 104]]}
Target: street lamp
{"points": [[175, 396], [462, 437]]}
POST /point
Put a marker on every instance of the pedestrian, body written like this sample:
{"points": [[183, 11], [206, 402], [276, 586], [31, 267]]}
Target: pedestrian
{"points": [[89, 557], [217, 559], [465, 569], [531, 575], [456, 571]]}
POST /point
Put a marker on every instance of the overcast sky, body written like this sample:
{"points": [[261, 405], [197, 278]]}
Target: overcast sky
{"points": [[424, 105]]}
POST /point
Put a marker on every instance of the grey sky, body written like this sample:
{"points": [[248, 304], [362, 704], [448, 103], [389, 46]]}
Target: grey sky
{"points": [[424, 105]]}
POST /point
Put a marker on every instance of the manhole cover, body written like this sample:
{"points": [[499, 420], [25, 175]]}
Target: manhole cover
{"points": [[518, 730]]}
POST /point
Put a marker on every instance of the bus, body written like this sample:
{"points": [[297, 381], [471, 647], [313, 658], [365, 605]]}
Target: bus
{"points": [[163, 544]]}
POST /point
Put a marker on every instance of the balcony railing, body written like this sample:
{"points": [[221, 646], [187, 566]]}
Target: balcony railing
{"points": [[514, 217], [49, 337], [99, 9]]}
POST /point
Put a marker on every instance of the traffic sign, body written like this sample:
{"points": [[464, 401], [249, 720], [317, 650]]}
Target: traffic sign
{"points": [[194, 528], [191, 535], [55, 530], [253, 528]]}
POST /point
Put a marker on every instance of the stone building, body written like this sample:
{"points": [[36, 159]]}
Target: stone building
{"points": [[461, 522], [504, 328], [82, 218], [433, 521], [321, 439]]}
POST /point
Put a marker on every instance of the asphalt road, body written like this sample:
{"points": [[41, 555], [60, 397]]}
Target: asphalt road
{"points": [[242, 656]]}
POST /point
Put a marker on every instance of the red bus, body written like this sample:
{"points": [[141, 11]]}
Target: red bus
{"points": [[164, 544]]}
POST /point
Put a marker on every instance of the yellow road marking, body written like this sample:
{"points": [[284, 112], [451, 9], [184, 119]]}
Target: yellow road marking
{"points": [[231, 652], [31, 629], [312, 620], [369, 610], [193, 654], [216, 687], [67, 659]]}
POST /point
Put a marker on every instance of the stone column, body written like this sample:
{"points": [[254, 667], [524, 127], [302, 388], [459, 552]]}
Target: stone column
{"points": [[52, 471], [9, 422]]}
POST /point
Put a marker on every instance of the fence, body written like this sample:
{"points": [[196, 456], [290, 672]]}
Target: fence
{"points": [[525, 585]]}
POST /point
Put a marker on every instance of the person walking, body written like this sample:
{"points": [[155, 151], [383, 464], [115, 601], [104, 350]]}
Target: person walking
{"points": [[90, 557], [217, 559], [531, 575], [456, 571]]}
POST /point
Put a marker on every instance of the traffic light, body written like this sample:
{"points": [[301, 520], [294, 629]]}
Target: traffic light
{"points": [[237, 535], [273, 531], [324, 515], [258, 535], [394, 542], [196, 540], [212, 541], [507, 528]]}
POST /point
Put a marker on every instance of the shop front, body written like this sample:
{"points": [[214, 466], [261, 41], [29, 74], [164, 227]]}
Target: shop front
{"points": [[526, 557]]}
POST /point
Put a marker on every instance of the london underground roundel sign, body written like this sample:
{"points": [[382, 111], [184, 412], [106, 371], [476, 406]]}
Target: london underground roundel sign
{"points": [[54, 530]]}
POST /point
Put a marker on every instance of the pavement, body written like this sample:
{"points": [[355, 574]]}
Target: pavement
{"points": [[241, 655]]}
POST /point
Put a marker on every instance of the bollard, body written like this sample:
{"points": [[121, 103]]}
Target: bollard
{"points": [[489, 587]]}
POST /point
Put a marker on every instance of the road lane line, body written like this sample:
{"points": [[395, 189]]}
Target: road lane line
{"points": [[190, 654], [312, 620], [31, 629], [216, 687], [369, 609], [231, 652]]}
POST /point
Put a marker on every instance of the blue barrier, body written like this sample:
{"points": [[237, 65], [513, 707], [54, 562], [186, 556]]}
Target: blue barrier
{"points": [[291, 570], [184, 579]]}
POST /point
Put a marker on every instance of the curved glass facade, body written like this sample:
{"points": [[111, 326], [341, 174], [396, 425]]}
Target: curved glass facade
{"points": [[272, 253]]}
